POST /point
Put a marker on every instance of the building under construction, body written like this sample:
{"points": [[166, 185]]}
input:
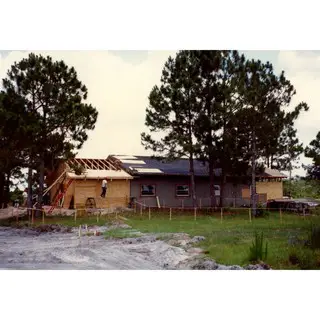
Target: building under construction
{"points": [[68, 189]]}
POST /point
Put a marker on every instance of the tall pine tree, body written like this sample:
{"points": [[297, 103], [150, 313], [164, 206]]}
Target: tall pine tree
{"points": [[173, 109], [55, 96]]}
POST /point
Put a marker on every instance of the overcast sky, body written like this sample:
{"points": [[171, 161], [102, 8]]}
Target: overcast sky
{"points": [[119, 83]]}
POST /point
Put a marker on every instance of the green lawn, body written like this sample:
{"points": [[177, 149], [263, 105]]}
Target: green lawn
{"points": [[228, 241]]}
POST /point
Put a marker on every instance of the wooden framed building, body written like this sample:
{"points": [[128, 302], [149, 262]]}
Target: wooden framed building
{"points": [[84, 190]]}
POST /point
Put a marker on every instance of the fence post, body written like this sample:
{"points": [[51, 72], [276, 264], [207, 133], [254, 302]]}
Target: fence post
{"points": [[42, 216], [200, 203], [170, 214], [149, 213], [32, 216], [75, 215], [221, 214], [250, 215], [195, 213]]}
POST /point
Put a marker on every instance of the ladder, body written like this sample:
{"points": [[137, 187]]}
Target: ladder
{"points": [[60, 196]]}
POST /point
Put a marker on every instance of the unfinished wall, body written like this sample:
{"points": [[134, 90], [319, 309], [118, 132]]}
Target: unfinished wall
{"points": [[273, 189], [118, 193]]}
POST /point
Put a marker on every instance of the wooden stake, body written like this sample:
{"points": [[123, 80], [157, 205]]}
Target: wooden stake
{"points": [[221, 214], [200, 203], [32, 216], [80, 231], [75, 215], [42, 216], [170, 213], [250, 214], [149, 213], [195, 213], [98, 217]]}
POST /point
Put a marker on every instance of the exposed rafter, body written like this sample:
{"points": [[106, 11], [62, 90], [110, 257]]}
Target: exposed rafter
{"points": [[94, 164]]}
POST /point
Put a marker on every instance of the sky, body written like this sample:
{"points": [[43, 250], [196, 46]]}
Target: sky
{"points": [[119, 83]]}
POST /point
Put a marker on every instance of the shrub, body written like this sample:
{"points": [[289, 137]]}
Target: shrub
{"points": [[314, 237], [303, 257], [258, 250]]}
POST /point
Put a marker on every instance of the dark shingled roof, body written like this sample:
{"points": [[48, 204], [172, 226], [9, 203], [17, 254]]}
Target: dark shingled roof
{"points": [[176, 167]]}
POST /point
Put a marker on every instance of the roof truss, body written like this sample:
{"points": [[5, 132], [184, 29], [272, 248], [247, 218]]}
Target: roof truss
{"points": [[93, 164]]}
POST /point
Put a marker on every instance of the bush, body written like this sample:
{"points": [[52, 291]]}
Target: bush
{"points": [[303, 257], [258, 251], [314, 237]]}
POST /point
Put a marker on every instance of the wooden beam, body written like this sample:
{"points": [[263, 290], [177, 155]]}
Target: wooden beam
{"points": [[82, 161], [96, 163], [93, 166], [104, 165], [111, 164]]}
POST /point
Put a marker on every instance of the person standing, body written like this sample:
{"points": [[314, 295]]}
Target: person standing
{"points": [[104, 188]]}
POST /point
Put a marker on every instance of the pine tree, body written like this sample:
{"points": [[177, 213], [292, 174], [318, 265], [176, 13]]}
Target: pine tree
{"points": [[313, 151], [54, 97], [173, 108]]}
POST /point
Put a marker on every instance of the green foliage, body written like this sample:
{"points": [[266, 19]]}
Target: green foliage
{"points": [[78, 169], [314, 237], [313, 152], [304, 258], [53, 99], [16, 195], [302, 188], [258, 250], [173, 109]]}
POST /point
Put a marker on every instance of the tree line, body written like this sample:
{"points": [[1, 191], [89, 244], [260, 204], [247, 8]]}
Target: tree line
{"points": [[229, 111], [44, 117]]}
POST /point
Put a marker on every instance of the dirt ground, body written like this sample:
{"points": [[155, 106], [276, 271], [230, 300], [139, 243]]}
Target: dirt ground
{"points": [[31, 249], [54, 247]]}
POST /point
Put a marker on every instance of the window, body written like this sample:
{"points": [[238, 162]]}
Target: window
{"points": [[182, 190], [217, 190], [148, 190]]}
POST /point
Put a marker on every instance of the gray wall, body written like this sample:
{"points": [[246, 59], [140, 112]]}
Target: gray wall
{"points": [[166, 191]]}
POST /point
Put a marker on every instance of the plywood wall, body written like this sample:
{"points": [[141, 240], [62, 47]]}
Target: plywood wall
{"points": [[273, 189], [118, 193]]}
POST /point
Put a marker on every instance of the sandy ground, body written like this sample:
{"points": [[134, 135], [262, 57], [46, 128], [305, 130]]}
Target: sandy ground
{"points": [[28, 249]]}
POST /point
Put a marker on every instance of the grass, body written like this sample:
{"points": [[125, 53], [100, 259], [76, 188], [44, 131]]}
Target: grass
{"points": [[61, 220], [228, 241]]}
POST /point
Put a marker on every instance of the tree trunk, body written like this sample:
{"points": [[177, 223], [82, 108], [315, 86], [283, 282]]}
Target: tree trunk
{"points": [[212, 178], [253, 175], [222, 187], [2, 179], [41, 183], [29, 201], [7, 190], [192, 180]]}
